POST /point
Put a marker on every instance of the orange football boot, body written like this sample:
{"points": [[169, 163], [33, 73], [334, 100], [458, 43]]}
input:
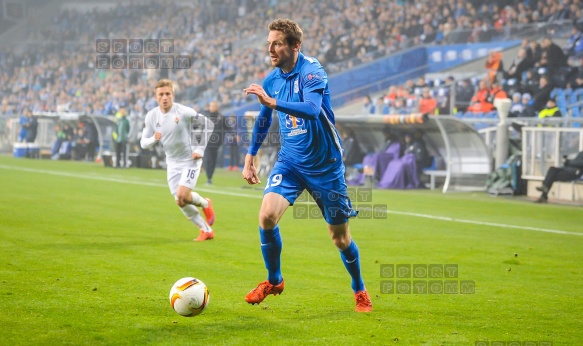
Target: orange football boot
{"points": [[264, 289], [205, 236], [363, 303]]}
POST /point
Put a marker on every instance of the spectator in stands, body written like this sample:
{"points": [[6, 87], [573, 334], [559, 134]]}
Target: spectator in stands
{"points": [[464, 91], [528, 110], [427, 103], [494, 65], [571, 170], [496, 92], [552, 57], [479, 102], [534, 51], [519, 65], [517, 106], [530, 84], [577, 83], [399, 107], [574, 47], [551, 110], [368, 106], [543, 93]]}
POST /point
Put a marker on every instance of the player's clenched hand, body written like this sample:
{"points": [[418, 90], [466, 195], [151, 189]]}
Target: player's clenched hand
{"points": [[250, 171], [157, 136], [264, 99], [196, 156]]}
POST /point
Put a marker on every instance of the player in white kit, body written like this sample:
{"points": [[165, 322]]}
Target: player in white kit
{"points": [[183, 134]]}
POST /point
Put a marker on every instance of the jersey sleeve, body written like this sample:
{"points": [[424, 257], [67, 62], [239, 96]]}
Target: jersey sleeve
{"points": [[313, 76], [147, 141]]}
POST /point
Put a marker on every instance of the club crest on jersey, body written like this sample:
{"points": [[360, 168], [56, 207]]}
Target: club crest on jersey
{"points": [[296, 86]]}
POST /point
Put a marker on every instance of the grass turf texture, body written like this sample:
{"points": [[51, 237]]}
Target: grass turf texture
{"points": [[88, 256]]}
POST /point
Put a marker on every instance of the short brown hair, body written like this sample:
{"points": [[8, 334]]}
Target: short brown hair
{"points": [[290, 29], [164, 83]]}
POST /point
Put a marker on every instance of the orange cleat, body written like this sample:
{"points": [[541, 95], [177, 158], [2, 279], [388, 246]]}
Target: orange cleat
{"points": [[209, 213], [205, 236], [363, 303], [264, 289]]}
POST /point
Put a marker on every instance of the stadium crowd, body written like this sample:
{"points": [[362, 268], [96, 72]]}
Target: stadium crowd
{"points": [[56, 70], [536, 70]]}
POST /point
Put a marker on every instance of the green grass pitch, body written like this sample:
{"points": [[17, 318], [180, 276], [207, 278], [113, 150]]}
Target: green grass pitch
{"points": [[88, 255]]}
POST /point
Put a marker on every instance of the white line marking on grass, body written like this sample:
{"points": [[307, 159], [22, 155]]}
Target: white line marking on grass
{"points": [[124, 181], [482, 223], [214, 190]]}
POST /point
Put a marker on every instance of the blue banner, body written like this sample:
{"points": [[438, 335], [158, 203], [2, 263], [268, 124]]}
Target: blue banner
{"points": [[443, 57]]}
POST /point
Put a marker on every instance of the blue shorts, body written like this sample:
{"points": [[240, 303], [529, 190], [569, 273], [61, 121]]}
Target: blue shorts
{"points": [[328, 190]]}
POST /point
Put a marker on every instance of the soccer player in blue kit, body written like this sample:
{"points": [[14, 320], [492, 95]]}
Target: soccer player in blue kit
{"points": [[310, 157]]}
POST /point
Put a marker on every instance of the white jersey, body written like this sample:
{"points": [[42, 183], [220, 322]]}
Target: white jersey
{"points": [[184, 132]]}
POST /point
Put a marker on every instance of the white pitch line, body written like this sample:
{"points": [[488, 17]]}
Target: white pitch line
{"points": [[482, 223], [124, 181], [214, 190]]}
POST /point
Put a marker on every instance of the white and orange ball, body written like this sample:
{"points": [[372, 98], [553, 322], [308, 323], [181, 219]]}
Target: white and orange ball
{"points": [[189, 297]]}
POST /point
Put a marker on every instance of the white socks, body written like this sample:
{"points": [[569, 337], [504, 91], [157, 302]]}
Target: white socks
{"points": [[192, 214], [198, 200]]}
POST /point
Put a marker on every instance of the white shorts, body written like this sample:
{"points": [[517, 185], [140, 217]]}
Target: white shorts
{"points": [[183, 174]]}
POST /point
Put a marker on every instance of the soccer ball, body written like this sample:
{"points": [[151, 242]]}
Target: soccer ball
{"points": [[189, 297]]}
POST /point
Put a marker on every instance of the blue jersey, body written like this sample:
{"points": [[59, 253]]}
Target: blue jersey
{"points": [[310, 143]]}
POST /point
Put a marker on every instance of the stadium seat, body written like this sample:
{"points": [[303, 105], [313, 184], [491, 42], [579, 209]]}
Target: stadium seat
{"points": [[575, 112], [576, 96], [491, 115]]}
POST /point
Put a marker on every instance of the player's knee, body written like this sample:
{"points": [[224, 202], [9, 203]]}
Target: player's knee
{"points": [[180, 203], [267, 219], [341, 242], [340, 236]]}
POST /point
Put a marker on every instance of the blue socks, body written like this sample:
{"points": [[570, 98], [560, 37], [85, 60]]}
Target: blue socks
{"points": [[271, 248], [351, 259]]}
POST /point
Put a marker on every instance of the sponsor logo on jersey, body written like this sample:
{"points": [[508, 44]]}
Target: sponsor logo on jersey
{"points": [[295, 124]]}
